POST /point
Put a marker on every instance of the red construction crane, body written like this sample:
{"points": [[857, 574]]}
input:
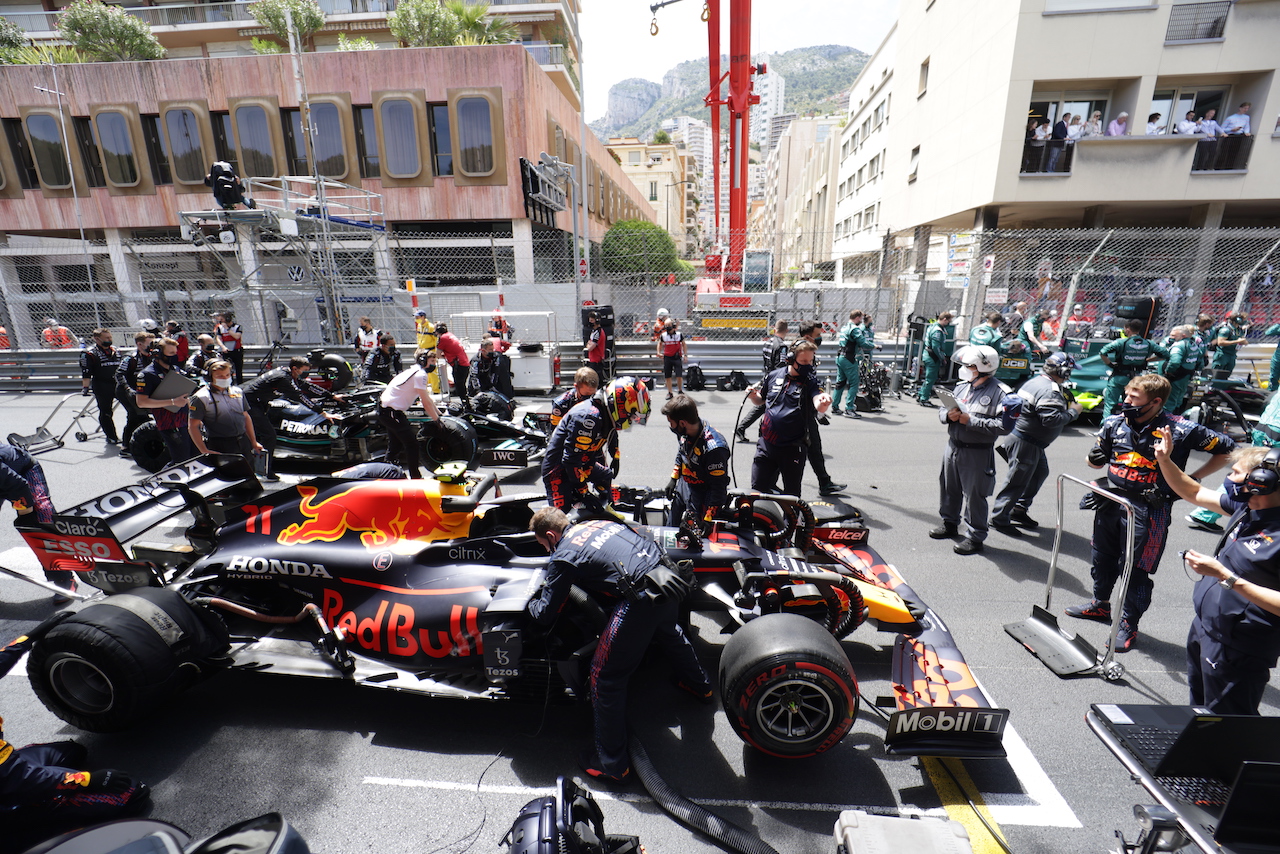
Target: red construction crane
{"points": [[738, 102]]}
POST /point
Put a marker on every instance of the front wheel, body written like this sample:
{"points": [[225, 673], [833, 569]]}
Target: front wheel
{"points": [[148, 448], [787, 686], [449, 439]]}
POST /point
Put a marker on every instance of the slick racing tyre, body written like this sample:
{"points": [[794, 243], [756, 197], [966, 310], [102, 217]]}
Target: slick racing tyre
{"points": [[148, 448], [111, 664], [787, 687], [448, 440]]}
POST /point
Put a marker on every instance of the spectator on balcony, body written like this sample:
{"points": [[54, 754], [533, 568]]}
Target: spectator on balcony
{"points": [[1058, 142], [1031, 152], [1237, 124], [1093, 127], [1154, 128], [1207, 148], [1188, 125], [1076, 130], [1119, 125]]}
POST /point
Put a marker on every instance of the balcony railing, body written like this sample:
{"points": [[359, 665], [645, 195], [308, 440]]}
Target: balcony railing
{"points": [[1049, 156], [177, 15], [545, 53], [1224, 154]]}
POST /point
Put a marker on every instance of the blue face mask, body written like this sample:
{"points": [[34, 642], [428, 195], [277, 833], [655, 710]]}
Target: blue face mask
{"points": [[804, 371], [1235, 491], [1133, 414]]}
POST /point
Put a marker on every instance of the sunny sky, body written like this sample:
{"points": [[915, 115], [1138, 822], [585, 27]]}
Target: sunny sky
{"points": [[617, 44]]}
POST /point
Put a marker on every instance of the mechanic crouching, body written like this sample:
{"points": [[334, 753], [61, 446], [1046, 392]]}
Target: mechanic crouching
{"points": [[700, 480], [573, 458], [618, 566], [287, 383], [986, 411]]}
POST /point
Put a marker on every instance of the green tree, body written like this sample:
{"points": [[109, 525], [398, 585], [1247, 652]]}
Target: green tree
{"points": [[11, 35], [424, 23], [44, 54], [108, 33], [360, 43], [478, 27], [307, 17], [662, 138], [263, 46], [638, 252]]}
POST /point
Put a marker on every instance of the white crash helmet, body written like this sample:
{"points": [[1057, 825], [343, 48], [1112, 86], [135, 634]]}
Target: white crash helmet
{"points": [[981, 357], [663, 313]]}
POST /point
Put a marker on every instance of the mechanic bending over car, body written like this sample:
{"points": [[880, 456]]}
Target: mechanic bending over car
{"points": [[585, 383], [172, 425], [23, 484], [41, 792], [616, 564], [699, 482], [1236, 630], [287, 383], [407, 386], [573, 456], [220, 410], [1126, 448]]}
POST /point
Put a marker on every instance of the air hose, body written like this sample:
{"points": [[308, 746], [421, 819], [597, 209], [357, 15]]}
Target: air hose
{"points": [[734, 442], [723, 832]]}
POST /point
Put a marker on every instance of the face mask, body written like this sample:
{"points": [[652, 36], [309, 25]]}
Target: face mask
{"points": [[817, 342], [1235, 491], [968, 374], [1131, 413], [210, 349], [677, 431], [304, 375], [805, 371], [222, 382], [430, 369]]}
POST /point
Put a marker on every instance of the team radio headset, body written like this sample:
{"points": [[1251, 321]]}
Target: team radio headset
{"points": [[1263, 479]]}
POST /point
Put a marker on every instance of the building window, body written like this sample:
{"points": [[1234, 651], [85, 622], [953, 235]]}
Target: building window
{"points": [[400, 138], [924, 80], [117, 148], [224, 140], [635, 157], [367, 143], [295, 144], [186, 151], [915, 164], [27, 177], [1197, 21], [255, 141], [87, 143], [157, 151], [653, 191], [873, 168], [881, 114], [441, 142], [475, 137], [47, 149], [327, 140]]}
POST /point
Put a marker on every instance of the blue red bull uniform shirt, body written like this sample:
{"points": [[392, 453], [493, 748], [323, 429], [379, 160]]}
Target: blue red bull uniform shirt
{"points": [[560, 408], [1130, 450], [594, 556], [573, 451], [702, 464], [784, 400], [1251, 551]]}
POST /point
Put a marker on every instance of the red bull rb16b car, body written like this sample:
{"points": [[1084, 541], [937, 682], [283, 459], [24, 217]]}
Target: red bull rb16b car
{"points": [[421, 586]]}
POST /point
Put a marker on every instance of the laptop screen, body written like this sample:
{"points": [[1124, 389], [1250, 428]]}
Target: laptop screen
{"points": [[1249, 817]]}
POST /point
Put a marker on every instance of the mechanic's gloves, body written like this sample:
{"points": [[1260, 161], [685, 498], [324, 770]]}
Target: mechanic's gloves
{"points": [[85, 392], [108, 781], [615, 465], [663, 583], [670, 491], [1097, 456]]}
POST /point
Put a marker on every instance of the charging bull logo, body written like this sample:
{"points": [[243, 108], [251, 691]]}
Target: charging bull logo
{"points": [[1132, 467], [383, 513]]}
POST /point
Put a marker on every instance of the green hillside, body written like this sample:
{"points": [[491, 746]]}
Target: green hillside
{"points": [[816, 79]]}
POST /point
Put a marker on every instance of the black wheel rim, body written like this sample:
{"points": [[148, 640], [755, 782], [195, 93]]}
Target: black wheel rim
{"points": [[795, 711], [81, 685]]}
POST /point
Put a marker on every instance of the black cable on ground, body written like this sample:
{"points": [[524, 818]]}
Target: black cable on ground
{"points": [[723, 832], [733, 443]]}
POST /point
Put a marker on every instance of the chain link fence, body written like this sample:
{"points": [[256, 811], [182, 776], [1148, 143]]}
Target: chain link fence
{"points": [[315, 294]]}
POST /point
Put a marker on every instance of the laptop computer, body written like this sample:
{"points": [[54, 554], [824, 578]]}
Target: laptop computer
{"points": [[1188, 741], [1248, 822]]}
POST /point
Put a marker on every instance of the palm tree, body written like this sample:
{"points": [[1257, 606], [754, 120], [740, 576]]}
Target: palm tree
{"points": [[477, 25]]}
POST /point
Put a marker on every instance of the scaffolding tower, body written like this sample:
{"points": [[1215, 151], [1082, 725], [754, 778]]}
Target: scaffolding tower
{"points": [[319, 229]]}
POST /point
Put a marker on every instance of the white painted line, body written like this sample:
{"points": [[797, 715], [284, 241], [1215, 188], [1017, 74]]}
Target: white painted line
{"points": [[1050, 808]]}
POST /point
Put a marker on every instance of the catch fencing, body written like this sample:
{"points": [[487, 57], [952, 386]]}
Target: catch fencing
{"points": [[279, 287]]}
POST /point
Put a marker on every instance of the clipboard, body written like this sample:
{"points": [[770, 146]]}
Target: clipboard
{"points": [[174, 384], [948, 399]]}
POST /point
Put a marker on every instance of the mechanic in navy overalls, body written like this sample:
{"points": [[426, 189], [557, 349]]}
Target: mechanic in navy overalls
{"points": [[42, 792], [1126, 447], [1234, 639], [987, 411], [1127, 357], [700, 480], [585, 383], [617, 565], [573, 457], [788, 394], [773, 354]]}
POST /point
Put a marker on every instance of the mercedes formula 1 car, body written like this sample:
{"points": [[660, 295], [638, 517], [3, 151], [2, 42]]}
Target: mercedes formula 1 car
{"points": [[421, 586]]}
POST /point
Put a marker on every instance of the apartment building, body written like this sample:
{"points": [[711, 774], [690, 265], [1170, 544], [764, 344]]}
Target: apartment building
{"points": [[667, 178], [771, 87], [784, 169]]}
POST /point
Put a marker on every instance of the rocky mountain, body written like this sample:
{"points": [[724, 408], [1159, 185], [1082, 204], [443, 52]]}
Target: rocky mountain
{"points": [[818, 82]]}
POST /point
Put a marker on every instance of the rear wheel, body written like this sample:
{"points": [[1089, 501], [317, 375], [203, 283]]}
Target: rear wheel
{"points": [[1220, 412], [449, 439], [787, 686], [148, 448]]}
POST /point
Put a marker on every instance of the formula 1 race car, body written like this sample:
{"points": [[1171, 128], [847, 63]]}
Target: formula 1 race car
{"points": [[421, 586]]}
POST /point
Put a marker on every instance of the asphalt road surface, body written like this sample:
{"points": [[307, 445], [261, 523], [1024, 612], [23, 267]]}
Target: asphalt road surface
{"points": [[365, 770]]}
